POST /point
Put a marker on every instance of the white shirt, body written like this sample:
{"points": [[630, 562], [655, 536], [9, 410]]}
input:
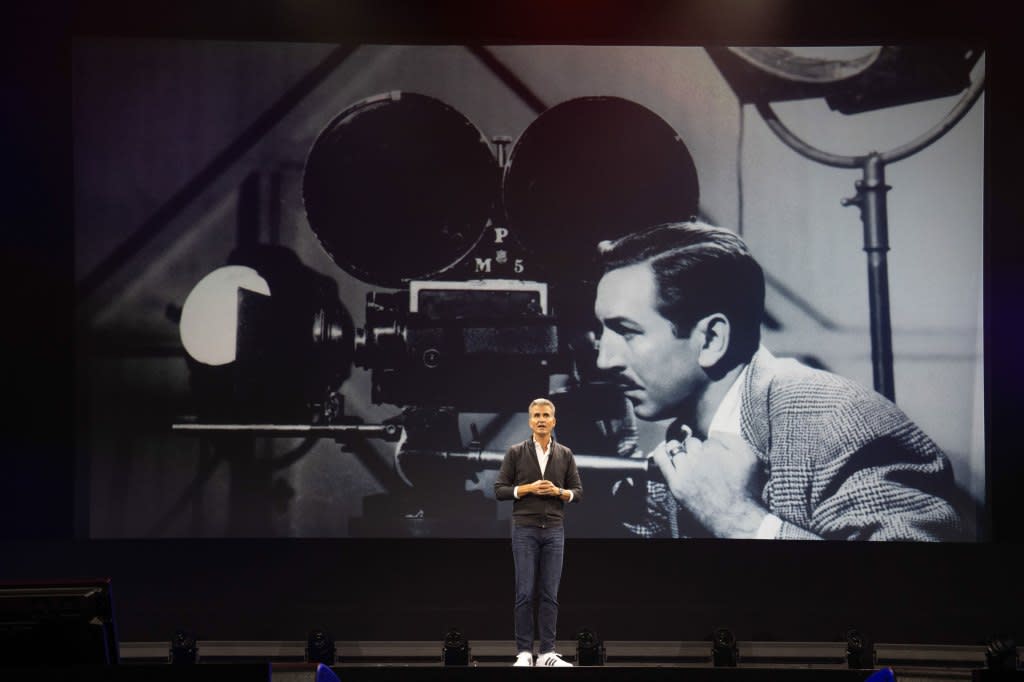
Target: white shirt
{"points": [[542, 454], [542, 460], [727, 420]]}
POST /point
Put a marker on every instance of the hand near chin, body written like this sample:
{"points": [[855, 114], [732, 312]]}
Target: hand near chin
{"points": [[713, 479]]}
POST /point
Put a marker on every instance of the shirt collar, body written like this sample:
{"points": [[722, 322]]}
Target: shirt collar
{"points": [[727, 416], [536, 445]]}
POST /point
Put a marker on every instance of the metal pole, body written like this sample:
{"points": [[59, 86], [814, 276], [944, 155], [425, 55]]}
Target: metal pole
{"points": [[870, 199]]}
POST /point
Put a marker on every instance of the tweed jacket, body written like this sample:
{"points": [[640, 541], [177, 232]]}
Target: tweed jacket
{"points": [[520, 467], [841, 461]]}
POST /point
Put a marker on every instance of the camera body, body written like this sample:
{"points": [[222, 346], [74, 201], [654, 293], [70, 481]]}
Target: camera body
{"points": [[474, 345]]}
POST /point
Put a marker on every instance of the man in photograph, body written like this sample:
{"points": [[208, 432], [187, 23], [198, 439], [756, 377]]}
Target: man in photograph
{"points": [[760, 447], [541, 476]]}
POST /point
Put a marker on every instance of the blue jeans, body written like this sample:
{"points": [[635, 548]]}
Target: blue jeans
{"points": [[538, 561]]}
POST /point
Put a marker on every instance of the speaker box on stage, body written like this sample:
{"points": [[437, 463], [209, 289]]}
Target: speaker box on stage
{"points": [[69, 622]]}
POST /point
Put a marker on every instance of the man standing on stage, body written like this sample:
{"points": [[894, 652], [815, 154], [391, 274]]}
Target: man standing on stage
{"points": [[541, 476], [760, 447]]}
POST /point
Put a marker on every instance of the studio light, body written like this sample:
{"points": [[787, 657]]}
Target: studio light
{"points": [[456, 649], [184, 649], [860, 652], [850, 82], [851, 79], [589, 648], [724, 651], [1001, 653], [320, 648]]}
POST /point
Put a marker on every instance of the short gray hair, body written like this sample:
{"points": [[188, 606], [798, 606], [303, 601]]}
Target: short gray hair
{"points": [[541, 401]]}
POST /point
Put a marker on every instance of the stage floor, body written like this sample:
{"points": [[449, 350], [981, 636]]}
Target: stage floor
{"points": [[380, 661]]}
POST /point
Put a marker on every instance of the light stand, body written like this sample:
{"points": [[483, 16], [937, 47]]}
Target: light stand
{"points": [[887, 77]]}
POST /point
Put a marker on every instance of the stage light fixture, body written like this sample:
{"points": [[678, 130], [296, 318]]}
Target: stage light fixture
{"points": [[456, 648], [724, 651], [320, 648], [299, 672], [325, 674], [589, 648], [184, 648], [1001, 653], [860, 651]]}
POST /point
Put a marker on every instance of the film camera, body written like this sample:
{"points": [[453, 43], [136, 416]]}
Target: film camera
{"points": [[480, 260], [491, 251]]}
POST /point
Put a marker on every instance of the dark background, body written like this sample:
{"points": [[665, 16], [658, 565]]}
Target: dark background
{"points": [[407, 589]]}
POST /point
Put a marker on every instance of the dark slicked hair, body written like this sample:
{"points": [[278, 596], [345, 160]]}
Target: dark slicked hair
{"points": [[699, 269]]}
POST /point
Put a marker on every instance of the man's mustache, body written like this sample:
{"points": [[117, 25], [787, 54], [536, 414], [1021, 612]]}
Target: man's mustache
{"points": [[620, 381]]}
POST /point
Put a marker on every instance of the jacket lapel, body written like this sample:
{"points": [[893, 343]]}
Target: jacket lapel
{"points": [[531, 456]]}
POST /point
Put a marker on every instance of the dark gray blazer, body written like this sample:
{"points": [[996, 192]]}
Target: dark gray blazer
{"points": [[842, 462], [520, 467]]}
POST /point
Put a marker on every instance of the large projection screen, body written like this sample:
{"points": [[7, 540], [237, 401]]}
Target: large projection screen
{"points": [[192, 163]]}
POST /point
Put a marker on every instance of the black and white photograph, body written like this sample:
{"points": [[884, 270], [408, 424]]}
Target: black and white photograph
{"points": [[318, 287], [382, 339]]}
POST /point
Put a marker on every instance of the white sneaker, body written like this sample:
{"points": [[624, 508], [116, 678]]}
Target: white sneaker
{"points": [[524, 659], [552, 660]]}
